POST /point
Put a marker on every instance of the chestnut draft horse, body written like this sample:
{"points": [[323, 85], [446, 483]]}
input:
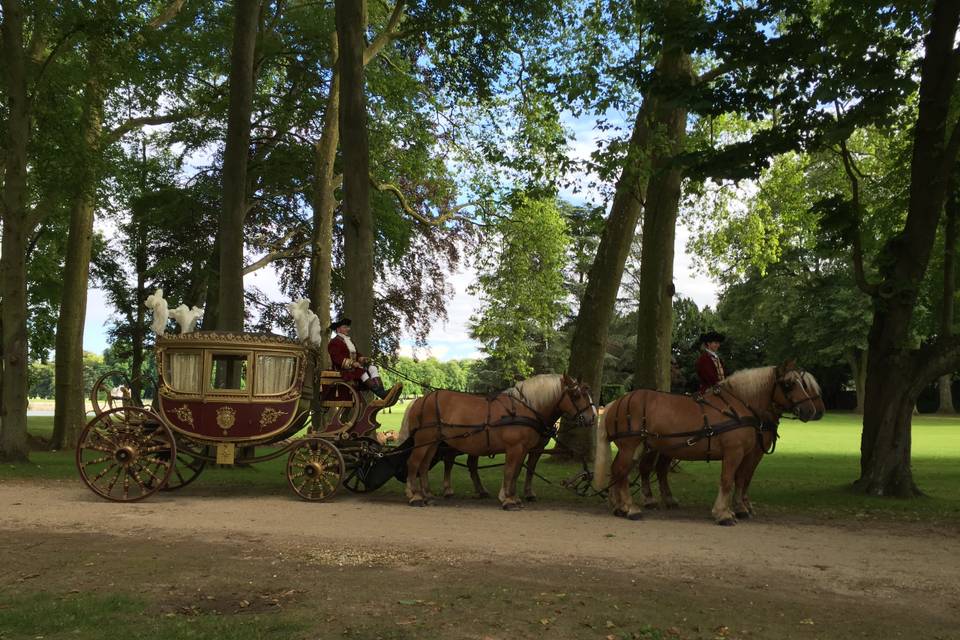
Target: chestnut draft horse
{"points": [[513, 422], [734, 421], [661, 462]]}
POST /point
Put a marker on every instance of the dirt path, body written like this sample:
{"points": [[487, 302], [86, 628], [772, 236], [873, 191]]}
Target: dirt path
{"points": [[801, 579]]}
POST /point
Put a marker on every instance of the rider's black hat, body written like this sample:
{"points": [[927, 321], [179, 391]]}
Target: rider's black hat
{"points": [[711, 336], [339, 323]]}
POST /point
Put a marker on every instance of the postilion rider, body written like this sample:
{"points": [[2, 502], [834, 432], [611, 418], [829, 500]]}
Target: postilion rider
{"points": [[710, 369], [353, 366]]}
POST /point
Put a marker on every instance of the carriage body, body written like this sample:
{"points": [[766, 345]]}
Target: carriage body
{"points": [[242, 388]]}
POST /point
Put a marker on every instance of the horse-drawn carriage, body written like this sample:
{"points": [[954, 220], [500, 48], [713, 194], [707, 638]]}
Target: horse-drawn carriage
{"points": [[219, 398]]}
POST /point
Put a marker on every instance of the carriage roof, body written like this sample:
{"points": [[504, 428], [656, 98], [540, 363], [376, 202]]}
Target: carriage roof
{"points": [[229, 340]]}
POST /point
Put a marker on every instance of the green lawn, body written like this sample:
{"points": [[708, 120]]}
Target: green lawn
{"points": [[809, 474]]}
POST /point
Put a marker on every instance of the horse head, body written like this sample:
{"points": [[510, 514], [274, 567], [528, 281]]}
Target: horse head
{"points": [[792, 394], [577, 403]]}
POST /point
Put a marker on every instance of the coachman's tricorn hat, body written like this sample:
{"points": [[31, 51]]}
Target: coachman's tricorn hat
{"points": [[711, 336], [339, 323]]}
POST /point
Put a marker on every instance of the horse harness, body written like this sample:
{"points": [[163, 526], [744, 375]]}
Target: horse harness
{"points": [[543, 426], [709, 430]]}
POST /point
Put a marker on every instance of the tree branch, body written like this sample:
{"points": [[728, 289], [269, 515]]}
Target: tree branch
{"points": [[384, 37], [858, 271], [935, 359], [133, 123], [450, 214], [712, 74], [168, 14], [277, 252]]}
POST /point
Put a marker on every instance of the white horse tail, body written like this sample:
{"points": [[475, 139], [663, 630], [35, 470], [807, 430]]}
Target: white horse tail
{"points": [[601, 460]]}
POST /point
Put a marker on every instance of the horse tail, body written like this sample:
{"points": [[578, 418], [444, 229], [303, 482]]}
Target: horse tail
{"points": [[405, 423], [601, 460]]}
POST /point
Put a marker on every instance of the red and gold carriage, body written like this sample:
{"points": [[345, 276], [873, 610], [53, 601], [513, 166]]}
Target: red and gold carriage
{"points": [[219, 398]]}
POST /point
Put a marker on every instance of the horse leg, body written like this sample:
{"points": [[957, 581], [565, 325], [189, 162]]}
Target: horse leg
{"points": [[425, 472], [620, 491], [511, 469], [645, 466], [732, 459], [413, 491], [448, 460], [741, 503], [528, 494], [663, 480], [473, 464]]}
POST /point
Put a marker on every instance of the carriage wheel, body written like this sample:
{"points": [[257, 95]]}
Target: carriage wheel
{"points": [[314, 469], [358, 461], [188, 466], [125, 454]]}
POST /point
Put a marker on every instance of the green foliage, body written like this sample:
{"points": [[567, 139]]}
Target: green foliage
{"points": [[450, 374], [521, 286]]}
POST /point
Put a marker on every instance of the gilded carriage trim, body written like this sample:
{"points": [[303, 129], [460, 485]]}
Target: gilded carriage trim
{"points": [[184, 414], [269, 416], [226, 416]]}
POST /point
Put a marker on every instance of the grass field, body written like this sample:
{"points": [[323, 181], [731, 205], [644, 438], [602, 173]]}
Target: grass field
{"points": [[809, 474]]}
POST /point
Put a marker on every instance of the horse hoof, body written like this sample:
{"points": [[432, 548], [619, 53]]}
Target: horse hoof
{"points": [[620, 513], [511, 506], [727, 522], [742, 515], [636, 515], [418, 502]]}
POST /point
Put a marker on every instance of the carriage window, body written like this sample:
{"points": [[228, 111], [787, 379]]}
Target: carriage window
{"points": [[183, 372], [228, 371], [274, 374]]}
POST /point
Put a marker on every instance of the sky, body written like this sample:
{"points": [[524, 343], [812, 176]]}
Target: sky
{"points": [[451, 340]]}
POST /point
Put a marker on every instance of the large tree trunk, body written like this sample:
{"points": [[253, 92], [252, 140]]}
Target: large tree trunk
{"points": [[13, 271], [358, 233], [230, 314], [857, 359], [951, 211], [70, 412], [324, 204], [893, 372], [655, 298]]}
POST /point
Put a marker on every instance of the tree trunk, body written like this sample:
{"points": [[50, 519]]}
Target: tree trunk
{"points": [[70, 414], [655, 297], [13, 271], [230, 313], [324, 203], [893, 372], [358, 232], [857, 359], [950, 211]]}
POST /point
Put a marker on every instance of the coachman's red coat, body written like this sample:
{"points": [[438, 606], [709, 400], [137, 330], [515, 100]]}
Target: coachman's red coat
{"points": [[338, 350], [710, 370]]}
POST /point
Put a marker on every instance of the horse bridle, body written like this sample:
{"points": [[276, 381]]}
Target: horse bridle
{"points": [[578, 416], [784, 389]]}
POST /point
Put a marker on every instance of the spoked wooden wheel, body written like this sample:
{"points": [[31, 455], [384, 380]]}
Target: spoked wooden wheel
{"points": [[314, 469], [126, 454], [188, 466]]}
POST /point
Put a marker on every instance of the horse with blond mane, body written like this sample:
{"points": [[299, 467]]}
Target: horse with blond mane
{"points": [[513, 422], [735, 422], [652, 460]]}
